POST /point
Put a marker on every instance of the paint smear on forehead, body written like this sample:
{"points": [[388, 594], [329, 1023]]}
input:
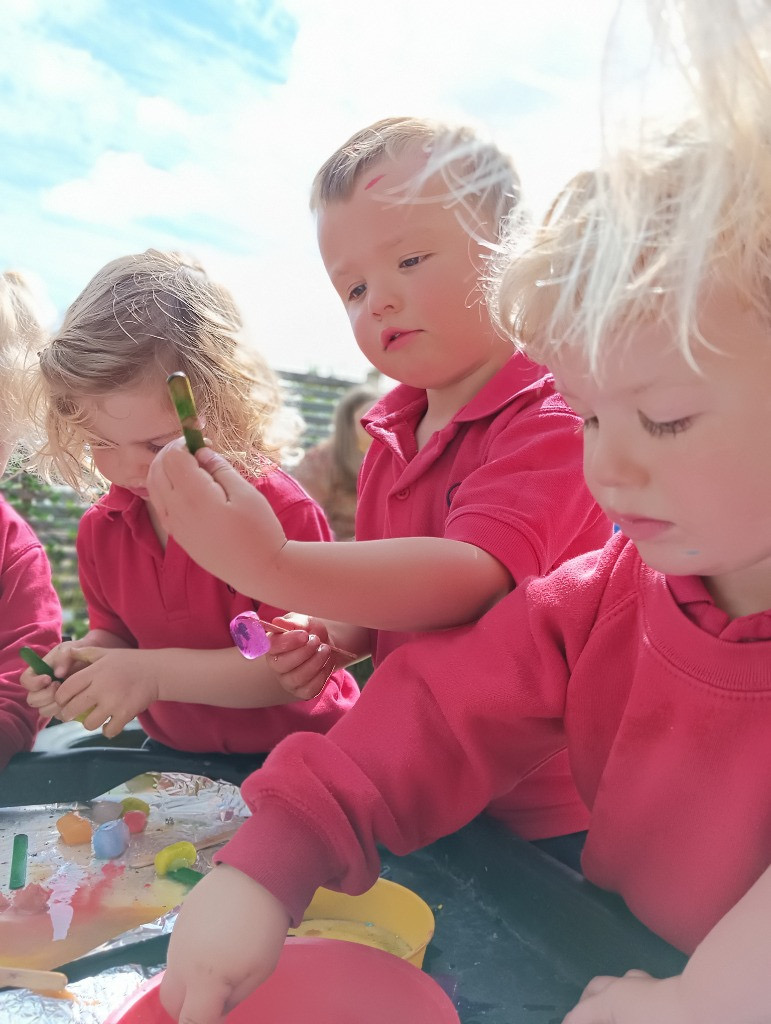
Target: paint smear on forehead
{"points": [[374, 181]]}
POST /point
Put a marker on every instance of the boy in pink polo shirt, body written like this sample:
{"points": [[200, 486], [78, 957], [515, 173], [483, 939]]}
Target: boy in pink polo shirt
{"points": [[30, 614], [473, 480]]}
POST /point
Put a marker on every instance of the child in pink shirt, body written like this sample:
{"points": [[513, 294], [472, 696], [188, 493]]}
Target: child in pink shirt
{"points": [[473, 480], [159, 645], [30, 614], [651, 659]]}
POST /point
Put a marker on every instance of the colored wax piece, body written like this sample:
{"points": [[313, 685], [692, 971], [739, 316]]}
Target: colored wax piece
{"points": [[110, 839], [248, 635], [177, 855], [185, 876], [19, 861], [73, 829], [134, 803], [182, 397], [136, 821], [141, 782], [106, 810], [36, 662]]}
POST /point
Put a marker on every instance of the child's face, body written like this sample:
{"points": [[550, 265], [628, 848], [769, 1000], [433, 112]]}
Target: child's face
{"points": [[680, 459], [408, 275], [127, 430]]}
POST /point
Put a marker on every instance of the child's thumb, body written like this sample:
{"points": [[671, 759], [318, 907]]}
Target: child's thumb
{"points": [[219, 469]]}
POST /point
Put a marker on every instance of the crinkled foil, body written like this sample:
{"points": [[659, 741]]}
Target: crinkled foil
{"points": [[91, 1000], [195, 804]]}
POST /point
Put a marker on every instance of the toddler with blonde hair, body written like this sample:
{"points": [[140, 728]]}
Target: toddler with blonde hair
{"points": [[473, 479]]}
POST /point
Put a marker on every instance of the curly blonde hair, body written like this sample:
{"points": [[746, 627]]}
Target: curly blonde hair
{"points": [[20, 335], [140, 318], [659, 222]]}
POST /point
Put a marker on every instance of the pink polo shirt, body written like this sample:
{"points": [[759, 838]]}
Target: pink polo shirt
{"points": [[155, 598], [506, 476]]}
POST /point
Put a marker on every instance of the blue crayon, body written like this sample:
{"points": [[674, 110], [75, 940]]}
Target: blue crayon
{"points": [[110, 839]]}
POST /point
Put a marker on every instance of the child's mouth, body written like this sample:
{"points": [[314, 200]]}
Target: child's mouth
{"points": [[393, 339]]}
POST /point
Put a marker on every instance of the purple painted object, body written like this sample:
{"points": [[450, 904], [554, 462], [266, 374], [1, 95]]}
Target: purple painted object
{"points": [[249, 636]]}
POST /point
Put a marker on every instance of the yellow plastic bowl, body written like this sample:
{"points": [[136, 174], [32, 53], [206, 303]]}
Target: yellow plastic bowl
{"points": [[388, 916]]}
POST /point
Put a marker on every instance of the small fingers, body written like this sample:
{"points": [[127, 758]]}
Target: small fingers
{"points": [[44, 697]]}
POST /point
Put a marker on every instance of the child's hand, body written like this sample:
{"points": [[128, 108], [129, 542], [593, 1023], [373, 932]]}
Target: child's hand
{"points": [[41, 688], [221, 521], [41, 694], [637, 998], [111, 688], [301, 659], [226, 941]]}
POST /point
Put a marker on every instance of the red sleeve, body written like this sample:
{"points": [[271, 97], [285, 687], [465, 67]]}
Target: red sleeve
{"points": [[423, 751], [30, 615], [100, 614], [527, 504]]}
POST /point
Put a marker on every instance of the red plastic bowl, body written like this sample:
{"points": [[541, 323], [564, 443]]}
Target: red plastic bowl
{"points": [[322, 981]]}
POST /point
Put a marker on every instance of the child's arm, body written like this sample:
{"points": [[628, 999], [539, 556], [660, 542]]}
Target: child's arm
{"points": [[116, 685], [241, 949], [408, 583], [726, 980], [420, 754]]}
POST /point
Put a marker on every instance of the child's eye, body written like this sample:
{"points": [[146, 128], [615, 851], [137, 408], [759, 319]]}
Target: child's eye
{"points": [[670, 427], [357, 292], [155, 448], [412, 261]]}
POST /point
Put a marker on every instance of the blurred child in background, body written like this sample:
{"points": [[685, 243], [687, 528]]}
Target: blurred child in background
{"points": [[29, 608], [329, 471], [159, 646]]}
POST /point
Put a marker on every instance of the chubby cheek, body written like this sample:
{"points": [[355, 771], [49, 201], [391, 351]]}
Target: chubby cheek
{"points": [[107, 464]]}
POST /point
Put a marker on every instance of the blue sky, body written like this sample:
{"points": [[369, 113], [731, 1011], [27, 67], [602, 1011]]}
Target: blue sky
{"points": [[198, 124]]}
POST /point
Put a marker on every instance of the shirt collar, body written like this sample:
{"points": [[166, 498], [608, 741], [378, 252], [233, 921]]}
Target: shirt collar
{"points": [[517, 375], [695, 601]]}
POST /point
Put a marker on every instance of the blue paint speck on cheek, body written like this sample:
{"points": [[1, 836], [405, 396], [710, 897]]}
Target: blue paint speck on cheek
{"points": [[695, 551]]}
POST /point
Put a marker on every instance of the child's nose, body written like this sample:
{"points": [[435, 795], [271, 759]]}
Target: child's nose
{"points": [[610, 463], [383, 298]]}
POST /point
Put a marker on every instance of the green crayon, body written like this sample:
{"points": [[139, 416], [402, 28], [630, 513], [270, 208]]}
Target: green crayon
{"points": [[182, 397], [18, 877], [36, 662], [44, 669]]}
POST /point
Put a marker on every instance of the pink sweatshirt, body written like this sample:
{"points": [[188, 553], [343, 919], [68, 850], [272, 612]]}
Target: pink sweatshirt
{"points": [[667, 728]]}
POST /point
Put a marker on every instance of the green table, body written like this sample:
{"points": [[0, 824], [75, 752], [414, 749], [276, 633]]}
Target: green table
{"points": [[518, 934]]}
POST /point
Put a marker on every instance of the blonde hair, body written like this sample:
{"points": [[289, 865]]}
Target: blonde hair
{"points": [[478, 176], [140, 318], [659, 222], [20, 335]]}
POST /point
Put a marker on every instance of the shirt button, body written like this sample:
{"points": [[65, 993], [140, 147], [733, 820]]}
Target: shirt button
{"points": [[401, 495]]}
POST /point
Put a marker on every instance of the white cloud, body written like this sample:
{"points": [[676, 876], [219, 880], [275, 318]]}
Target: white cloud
{"points": [[244, 153]]}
